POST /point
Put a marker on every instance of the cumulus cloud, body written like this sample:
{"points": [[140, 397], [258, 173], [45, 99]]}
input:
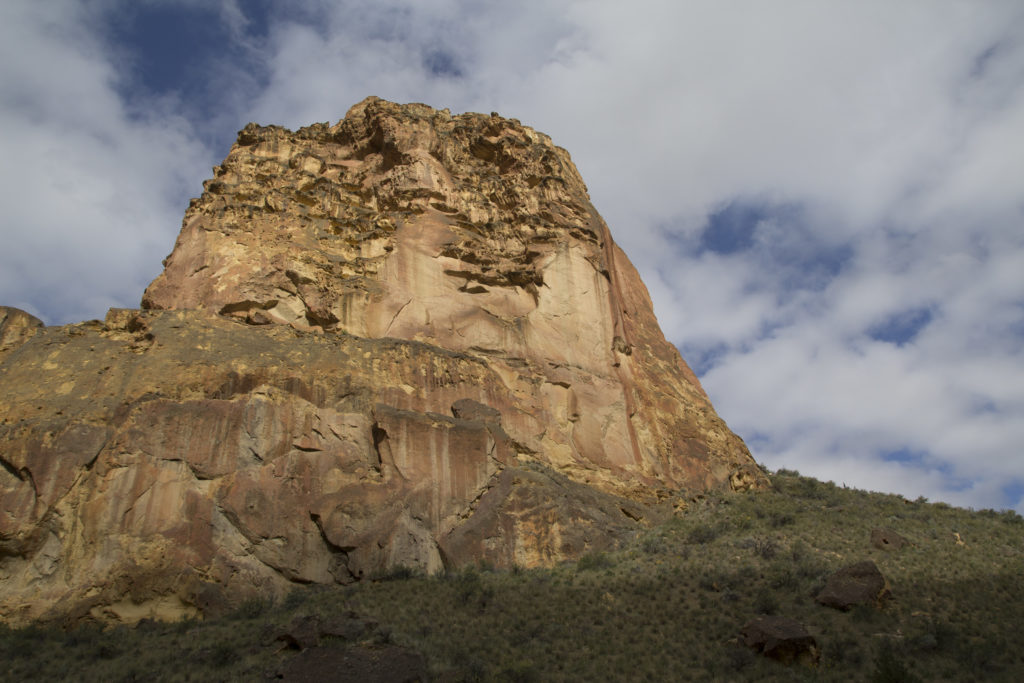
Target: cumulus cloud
{"points": [[92, 188], [823, 198]]}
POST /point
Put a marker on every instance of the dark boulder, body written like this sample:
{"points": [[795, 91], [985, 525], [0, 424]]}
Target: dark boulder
{"points": [[307, 632], [303, 634], [780, 638], [887, 539], [858, 584]]}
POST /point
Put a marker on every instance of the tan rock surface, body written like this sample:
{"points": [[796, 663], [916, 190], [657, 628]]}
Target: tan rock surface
{"points": [[406, 339], [15, 327], [473, 233]]}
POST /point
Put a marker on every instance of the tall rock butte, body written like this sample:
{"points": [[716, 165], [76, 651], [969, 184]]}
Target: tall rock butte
{"points": [[404, 339]]}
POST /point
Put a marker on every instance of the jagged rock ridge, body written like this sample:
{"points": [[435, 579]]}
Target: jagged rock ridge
{"points": [[407, 338]]}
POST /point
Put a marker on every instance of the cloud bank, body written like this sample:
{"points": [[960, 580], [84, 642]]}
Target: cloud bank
{"points": [[824, 199]]}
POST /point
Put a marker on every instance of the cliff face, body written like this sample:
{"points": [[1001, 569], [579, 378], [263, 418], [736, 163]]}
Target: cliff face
{"points": [[405, 339]]}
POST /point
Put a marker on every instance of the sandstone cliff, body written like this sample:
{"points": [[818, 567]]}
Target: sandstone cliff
{"points": [[405, 339]]}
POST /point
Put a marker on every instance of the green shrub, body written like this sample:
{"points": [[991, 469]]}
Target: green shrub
{"points": [[594, 561], [765, 548], [474, 670], [843, 652], [252, 608], [766, 602], [520, 672], [889, 669], [738, 658], [470, 589], [781, 519], [653, 545], [399, 572], [712, 580], [702, 534], [221, 655], [295, 598], [782, 577], [1011, 517]]}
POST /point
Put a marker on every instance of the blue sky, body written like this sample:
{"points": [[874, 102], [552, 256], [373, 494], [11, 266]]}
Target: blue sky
{"points": [[824, 198]]}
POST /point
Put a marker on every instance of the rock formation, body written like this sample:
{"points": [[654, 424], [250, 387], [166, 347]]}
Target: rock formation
{"points": [[780, 638], [404, 339], [16, 326], [887, 539], [856, 584]]}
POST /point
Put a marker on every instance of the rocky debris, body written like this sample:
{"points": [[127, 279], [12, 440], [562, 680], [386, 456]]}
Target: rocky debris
{"points": [[355, 664], [407, 339], [887, 539], [16, 326], [857, 584], [780, 638]]}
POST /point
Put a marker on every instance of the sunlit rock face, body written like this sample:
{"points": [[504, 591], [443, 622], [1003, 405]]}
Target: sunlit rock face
{"points": [[16, 326], [405, 339]]}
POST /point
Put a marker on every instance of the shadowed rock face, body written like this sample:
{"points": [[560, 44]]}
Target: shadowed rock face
{"points": [[406, 339]]}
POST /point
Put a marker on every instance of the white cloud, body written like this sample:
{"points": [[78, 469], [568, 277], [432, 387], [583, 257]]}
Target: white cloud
{"points": [[879, 138], [92, 190]]}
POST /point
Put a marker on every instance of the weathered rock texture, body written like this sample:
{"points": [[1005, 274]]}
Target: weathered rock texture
{"points": [[405, 339], [16, 326], [887, 539]]}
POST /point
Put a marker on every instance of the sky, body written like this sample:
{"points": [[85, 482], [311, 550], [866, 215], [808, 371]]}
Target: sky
{"points": [[824, 198]]}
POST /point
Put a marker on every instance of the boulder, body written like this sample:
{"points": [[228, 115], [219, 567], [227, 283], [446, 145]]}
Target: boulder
{"points": [[857, 584], [887, 539], [308, 631], [780, 638]]}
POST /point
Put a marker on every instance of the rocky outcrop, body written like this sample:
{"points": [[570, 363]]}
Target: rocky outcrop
{"points": [[405, 339], [16, 326]]}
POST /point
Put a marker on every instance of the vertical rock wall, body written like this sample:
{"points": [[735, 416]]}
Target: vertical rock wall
{"points": [[472, 233]]}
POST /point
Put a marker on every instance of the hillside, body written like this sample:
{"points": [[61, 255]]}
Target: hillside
{"points": [[667, 605]]}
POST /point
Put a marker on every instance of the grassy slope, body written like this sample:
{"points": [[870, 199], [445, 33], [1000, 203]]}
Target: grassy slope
{"points": [[667, 607]]}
